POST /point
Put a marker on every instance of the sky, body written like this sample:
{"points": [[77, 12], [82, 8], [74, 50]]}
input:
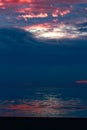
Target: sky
{"points": [[42, 40], [46, 19]]}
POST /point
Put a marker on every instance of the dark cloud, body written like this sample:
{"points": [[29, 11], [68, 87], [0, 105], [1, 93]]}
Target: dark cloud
{"points": [[26, 61], [82, 27], [20, 46]]}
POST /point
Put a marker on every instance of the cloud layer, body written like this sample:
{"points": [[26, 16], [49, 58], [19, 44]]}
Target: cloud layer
{"points": [[20, 13], [21, 46]]}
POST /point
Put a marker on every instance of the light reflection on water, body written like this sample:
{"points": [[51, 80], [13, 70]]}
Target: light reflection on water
{"points": [[46, 102]]}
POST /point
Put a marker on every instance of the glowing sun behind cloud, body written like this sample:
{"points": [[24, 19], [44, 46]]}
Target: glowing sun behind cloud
{"points": [[54, 31]]}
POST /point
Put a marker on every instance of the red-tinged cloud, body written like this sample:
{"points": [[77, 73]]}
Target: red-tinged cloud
{"points": [[35, 8], [32, 15], [35, 1], [39, 3], [38, 12], [15, 1]]}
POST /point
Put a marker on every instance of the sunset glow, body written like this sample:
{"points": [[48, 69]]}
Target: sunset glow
{"points": [[62, 19], [55, 31]]}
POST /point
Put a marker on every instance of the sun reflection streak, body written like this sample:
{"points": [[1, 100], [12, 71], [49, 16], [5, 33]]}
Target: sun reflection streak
{"points": [[47, 107]]}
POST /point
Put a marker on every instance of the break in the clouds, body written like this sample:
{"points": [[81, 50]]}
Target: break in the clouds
{"points": [[52, 19], [58, 31]]}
